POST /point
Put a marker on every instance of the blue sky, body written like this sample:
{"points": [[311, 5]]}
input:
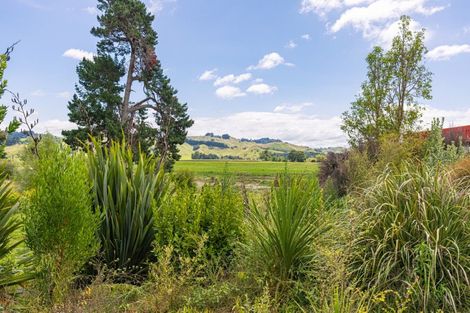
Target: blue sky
{"points": [[282, 69]]}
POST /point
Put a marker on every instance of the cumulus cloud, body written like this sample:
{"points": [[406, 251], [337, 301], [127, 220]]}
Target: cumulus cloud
{"points": [[384, 35], [64, 95], [78, 54], [376, 19], [208, 75], [156, 6], [232, 79], [364, 17], [229, 92], [300, 129], [38, 93], [54, 126], [292, 108], [261, 89], [291, 44], [269, 61], [306, 37], [91, 10], [445, 52], [451, 117]]}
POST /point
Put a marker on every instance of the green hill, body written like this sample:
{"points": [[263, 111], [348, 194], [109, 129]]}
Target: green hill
{"points": [[227, 147]]}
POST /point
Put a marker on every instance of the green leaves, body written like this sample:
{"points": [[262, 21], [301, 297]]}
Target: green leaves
{"points": [[396, 81], [286, 229], [126, 195], [59, 222], [415, 233]]}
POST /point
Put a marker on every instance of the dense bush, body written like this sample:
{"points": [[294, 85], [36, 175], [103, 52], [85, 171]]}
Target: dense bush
{"points": [[59, 223], [284, 230], [334, 171], [126, 194], [296, 156], [435, 149], [414, 235], [9, 224], [186, 215]]}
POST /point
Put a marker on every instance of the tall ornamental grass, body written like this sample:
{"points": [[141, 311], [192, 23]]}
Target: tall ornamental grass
{"points": [[126, 193], [286, 228], [415, 235]]}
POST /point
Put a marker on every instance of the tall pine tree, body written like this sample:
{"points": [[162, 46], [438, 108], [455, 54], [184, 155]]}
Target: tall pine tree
{"points": [[105, 103]]}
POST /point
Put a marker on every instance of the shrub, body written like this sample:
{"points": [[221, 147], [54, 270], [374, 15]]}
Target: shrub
{"points": [[436, 151], [59, 223], [9, 224], [415, 231], [296, 156], [461, 172], [334, 172], [186, 215], [284, 231], [126, 194]]}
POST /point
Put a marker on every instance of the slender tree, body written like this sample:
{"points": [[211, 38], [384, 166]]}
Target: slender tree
{"points": [[411, 80], [397, 80], [124, 86]]}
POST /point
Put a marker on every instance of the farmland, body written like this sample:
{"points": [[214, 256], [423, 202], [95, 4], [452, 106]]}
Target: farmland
{"points": [[208, 168]]}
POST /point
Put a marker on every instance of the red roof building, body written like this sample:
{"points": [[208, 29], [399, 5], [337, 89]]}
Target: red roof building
{"points": [[453, 134]]}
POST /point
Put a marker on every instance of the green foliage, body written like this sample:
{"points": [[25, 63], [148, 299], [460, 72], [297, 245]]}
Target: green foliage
{"points": [[284, 231], [186, 215], [389, 100], [94, 107], [9, 225], [126, 61], [436, 151], [296, 156], [414, 233], [126, 194], [14, 124], [59, 223]]}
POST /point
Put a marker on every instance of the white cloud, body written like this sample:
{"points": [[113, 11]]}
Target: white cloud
{"points": [[300, 129], [292, 108], [364, 18], [91, 10], [229, 92], [156, 6], [306, 36], [78, 54], [261, 89], [445, 52], [232, 79], [269, 61], [38, 93], [375, 19], [54, 126], [208, 75], [322, 7], [383, 36], [64, 95], [257, 80], [291, 44], [451, 117]]}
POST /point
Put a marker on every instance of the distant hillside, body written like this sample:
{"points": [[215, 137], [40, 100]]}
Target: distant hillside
{"points": [[227, 147]]}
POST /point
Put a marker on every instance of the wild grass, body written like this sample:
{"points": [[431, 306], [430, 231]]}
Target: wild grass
{"points": [[415, 234]]}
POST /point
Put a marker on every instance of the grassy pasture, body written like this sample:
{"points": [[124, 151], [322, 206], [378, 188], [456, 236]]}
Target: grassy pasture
{"points": [[208, 168]]}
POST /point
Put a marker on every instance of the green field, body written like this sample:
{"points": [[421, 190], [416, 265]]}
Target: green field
{"points": [[205, 168]]}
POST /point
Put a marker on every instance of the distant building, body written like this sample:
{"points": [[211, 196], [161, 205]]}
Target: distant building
{"points": [[453, 134]]}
